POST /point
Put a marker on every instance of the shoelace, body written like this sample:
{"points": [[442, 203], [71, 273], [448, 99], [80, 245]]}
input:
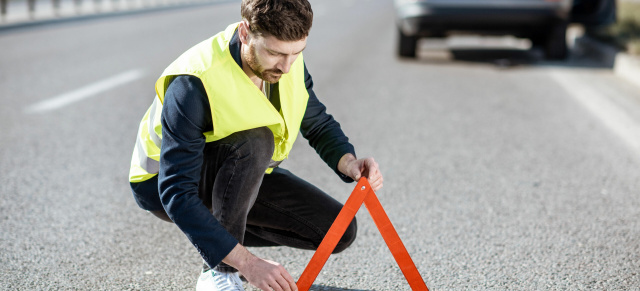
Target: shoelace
{"points": [[228, 280]]}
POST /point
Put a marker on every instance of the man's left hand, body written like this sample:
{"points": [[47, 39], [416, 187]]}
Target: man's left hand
{"points": [[356, 168]]}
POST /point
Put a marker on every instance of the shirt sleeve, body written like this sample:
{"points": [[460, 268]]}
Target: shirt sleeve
{"points": [[185, 116], [323, 132]]}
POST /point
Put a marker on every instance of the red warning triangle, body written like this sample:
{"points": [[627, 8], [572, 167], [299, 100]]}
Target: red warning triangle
{"points": [[362, 194]]}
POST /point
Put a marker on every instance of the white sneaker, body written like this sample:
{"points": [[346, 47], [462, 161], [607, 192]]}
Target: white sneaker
{"points": [[219, 281]]}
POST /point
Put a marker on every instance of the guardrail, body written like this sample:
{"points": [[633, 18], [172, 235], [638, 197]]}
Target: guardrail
{"points": [[12, 11]]}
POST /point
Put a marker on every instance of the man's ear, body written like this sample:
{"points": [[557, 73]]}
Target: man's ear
{"points": [[243, 32]]}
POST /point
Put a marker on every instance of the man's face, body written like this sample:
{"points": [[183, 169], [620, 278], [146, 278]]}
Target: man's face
{"points": [[269, 57]]}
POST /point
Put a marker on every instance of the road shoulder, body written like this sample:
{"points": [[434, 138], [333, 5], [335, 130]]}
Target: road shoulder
{"points": [[623, 64]]}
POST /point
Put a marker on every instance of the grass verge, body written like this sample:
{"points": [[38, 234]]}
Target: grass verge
{"points": [[625, 33]]}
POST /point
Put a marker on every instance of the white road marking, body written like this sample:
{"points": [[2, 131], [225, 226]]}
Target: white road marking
{"points": [[612, 115], [90, 90]]}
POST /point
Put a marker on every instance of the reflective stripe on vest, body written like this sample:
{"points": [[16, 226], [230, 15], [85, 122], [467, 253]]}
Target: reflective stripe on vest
{"points": [[146, 153]]}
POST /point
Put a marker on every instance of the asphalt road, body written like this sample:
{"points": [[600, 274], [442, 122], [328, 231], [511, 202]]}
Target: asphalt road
{"points": [[502, 171]]}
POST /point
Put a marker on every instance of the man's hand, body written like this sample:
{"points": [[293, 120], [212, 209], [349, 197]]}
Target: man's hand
{"points": [[268, 275], [264, 274], [355, 169]]}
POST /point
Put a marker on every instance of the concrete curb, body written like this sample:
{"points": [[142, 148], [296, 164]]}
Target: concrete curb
{"points": [[628, 67], [623, 64]]}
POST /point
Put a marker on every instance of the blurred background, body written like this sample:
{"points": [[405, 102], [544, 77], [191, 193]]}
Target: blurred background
{"points": [[508, 133]]}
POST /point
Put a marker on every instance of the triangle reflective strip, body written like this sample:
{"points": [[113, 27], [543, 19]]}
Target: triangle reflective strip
{"points": [[362, 194]]}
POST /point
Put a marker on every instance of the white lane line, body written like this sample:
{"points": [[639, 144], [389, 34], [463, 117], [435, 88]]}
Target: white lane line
{"points": [[84, 92], [614, 117]]}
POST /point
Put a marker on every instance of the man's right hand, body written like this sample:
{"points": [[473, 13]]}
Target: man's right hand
{"points": [[264, 274]]}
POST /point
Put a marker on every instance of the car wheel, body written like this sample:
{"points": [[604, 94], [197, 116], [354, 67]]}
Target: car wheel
{"points": [[407, 45], [555, 47]]}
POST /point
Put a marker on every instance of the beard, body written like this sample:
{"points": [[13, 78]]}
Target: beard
{"points": [[269, 75]]}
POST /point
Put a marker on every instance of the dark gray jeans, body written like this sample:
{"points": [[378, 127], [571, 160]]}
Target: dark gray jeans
{"points": [[258, 209]]}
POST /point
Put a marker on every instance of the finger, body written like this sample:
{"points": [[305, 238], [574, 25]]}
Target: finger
{"points": [[374, 175], [264, 287], [375, 178], [282, 280], [355, 175], [377, 187], [372, 168], [282, 284], [353, 171], [290, 281], [275, 286], [371, 163], [361, 169], [377, 184]]}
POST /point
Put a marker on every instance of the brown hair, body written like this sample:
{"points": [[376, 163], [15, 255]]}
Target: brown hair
{"points": [[288, 20]]}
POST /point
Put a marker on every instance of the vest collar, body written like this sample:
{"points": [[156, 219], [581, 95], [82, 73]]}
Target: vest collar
{"points": [[234, 48]]}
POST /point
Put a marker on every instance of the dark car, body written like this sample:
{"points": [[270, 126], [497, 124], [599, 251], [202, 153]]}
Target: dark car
{"points": [[544, 22]]}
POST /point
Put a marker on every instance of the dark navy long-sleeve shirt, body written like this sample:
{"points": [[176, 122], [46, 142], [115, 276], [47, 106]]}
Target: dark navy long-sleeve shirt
{"points": [[186, 115]]}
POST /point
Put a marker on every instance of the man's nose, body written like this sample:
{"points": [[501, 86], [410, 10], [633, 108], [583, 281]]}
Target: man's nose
{"points": [[285, 64]]}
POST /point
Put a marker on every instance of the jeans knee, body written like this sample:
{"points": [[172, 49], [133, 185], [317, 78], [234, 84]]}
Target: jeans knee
{"points": [[253, 146], [348, 237], [260, 141]]}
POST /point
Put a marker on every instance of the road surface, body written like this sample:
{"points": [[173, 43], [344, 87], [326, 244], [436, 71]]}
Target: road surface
{"points": [[502, 171]]}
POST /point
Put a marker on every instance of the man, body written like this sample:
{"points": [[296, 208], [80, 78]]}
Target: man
{"points": [[226, 115]]}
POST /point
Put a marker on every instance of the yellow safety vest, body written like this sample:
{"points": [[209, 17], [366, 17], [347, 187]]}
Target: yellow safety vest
{"points": [[236, 103]]}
